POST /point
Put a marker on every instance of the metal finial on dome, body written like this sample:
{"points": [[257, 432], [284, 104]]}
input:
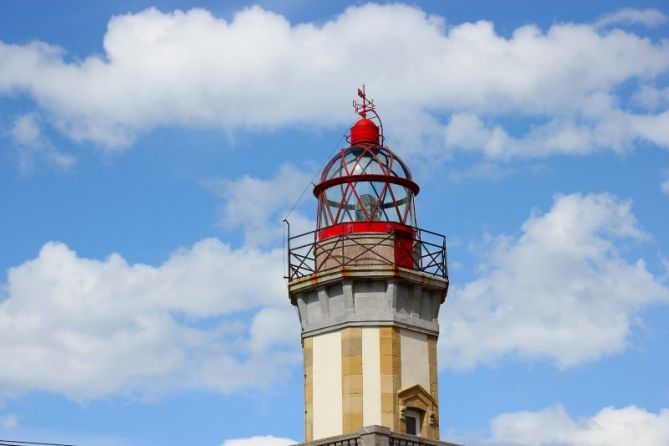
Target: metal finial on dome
{"points": [[366, 106], [365, 130]]}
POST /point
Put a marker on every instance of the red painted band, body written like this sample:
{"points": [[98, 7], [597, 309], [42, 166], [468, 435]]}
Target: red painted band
{"points": [[367, 226]]}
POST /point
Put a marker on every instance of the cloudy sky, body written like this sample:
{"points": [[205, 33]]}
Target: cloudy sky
{"points": [[150, 149]]}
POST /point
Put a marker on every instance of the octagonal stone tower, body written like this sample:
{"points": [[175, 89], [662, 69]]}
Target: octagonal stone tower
{"points": [[368, 284]]}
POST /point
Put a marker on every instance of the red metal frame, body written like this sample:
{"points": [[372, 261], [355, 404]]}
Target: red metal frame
{"points": [[365, 178], [366, 188]]}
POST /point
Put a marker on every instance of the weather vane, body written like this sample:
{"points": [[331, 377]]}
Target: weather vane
{"points": [[366, 106]]}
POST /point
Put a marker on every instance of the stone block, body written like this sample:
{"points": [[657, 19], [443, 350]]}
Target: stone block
{"points": [[352, 384]]}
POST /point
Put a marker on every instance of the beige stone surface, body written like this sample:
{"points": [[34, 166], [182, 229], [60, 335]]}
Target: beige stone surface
{"points": [[327, 417], [389, 338], [308, 388], [352, 379], [434, 385], [351, 364], [415, 359], [371, 376]]}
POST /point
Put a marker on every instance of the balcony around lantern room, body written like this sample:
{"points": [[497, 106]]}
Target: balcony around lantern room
{"points": [[384, 247]]}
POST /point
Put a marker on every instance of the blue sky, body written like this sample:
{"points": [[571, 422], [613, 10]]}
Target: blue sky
{"points": [[149, 151]]}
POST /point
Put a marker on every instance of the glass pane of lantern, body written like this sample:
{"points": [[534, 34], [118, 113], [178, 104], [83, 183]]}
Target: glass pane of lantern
{"points": [[333, 197], [349, 203], [324, 216], [387, 203], [365, 211], [359, 160], [385, 210], [361, 164], [366, 164], [335, 169], [384, 158], [398, 200], [408, 211], [365, 201], [350, 161], [372, 165], [399, 169], [412, 213]]}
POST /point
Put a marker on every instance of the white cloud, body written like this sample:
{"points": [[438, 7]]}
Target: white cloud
{"points": [[653, 128], [87, 328], [8, 422], [272, 327], [258, 206], [650, 97], [468, 132], [554, 427], [664, 182], [604, 128], [561, 290], [259, 441], [630, 16], [31, 144], [258, 71]]}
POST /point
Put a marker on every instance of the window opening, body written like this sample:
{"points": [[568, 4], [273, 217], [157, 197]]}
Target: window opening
{"points": [[412, 422]]}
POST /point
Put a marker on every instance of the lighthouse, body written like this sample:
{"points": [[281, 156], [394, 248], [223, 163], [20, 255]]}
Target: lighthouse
{"points": [[368, 284]]}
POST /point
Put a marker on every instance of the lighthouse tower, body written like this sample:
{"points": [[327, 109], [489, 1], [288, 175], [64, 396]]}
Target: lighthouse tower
{"points": [[368, 284]]}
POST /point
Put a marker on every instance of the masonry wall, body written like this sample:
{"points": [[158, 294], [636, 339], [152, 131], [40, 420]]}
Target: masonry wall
{"points": [[354, 377]]}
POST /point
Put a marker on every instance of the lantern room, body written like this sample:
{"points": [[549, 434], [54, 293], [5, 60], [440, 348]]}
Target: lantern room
{"points": [[366, 187]]}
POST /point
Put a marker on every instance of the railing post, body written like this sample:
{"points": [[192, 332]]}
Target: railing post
{"points": [[288, 250], [421, 246], [444, 269]]}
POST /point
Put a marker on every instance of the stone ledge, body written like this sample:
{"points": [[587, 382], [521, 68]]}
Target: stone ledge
{"points": [[367, 272], [431, 329]]}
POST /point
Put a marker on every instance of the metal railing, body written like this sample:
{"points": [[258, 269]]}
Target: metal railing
{"points": [[426, 252], [376, 435]]}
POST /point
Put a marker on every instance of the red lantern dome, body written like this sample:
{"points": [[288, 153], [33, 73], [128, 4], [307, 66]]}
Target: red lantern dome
{"points": [[366, 187], [364, 131]]}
